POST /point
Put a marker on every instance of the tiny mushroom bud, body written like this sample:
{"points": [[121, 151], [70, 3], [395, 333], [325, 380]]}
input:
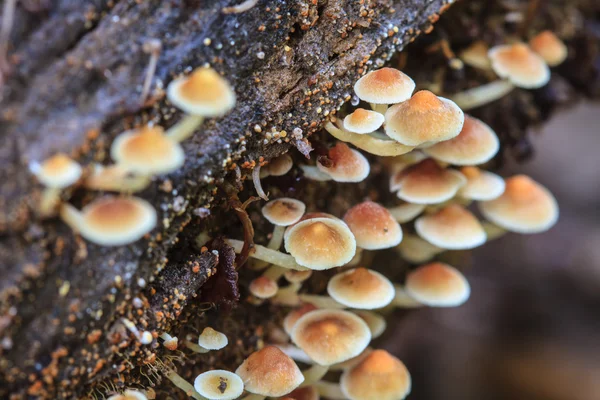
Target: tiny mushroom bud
{"points": [[481, 184], [524, 207], [363, 121], [147, 150], [347, 165], [129, 394], [453, 227], [476, 144], [375, 322], [520, 65], [263, 287], [290, 320], [59, 171], [219, 384], [361, 288], [423, 120], [211, 339], [270, 372], [331, 336], [378, 376], [320, 243], [170, 342], [110, 220], [384, 86], [438, 285], [428, 183], [549, 47], [373, 226]]}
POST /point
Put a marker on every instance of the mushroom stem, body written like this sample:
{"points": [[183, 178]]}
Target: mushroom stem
{"points": [[196, 348], [296, 353], [403, 300], [268, 255], [8, 16], [49, 202], [183, 384], [274, 272], [288, 296], [257, 185], [153, 47], [379, 146], [380, 108], [321, 301], [482, 95], [71, 216], [185, 128], [314, 374], [276, 237], [330, 390]]}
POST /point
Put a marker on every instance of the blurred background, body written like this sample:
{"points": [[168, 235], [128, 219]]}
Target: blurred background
{"points": [[531, 329]]}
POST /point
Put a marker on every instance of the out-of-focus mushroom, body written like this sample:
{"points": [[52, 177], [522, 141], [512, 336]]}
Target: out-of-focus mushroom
{"points": [[375, 322], [115, 178], [373, 226], [520, 65], [56, 173], [548, 46], [482, 95], [347, 165], [406, 212], [263, 287], [416, 250], [476, 55], [453, 227], [481, 184]]}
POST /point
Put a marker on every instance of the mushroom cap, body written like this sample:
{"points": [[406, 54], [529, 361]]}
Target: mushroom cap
{"points": [[58, 171], [423, 120], [476, 55], [204, 93], [348, 165], [428, 183], [147, 150], [476, 144], [219, 384], [548, 46], [384, 86], [438, 285], [481, 184], [290, 320], [320, 243], [212, 339], [114, 221], [129, 395], [373, 226], [283, 211], [521, 66], [416, 250], [453, 227], [294, 276], [375, 322], [115, 177], [361, 288], [378, 376], [263, 287], [304, 393], [331, 336], [406, 212], [344, 365], [363, 121], [524, 207], [279, 165], [270, 372]]}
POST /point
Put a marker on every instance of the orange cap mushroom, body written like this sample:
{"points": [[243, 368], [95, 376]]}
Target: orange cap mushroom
{"points": [[348, 165], [373, 226], [361, 288], [437, 285], [384, 86], [520, 65], [219, 384], [481, 184], [284, 211], [425, 119], [59, 171], [363, 121], [548, 46], [453, 227], [263, 287]]}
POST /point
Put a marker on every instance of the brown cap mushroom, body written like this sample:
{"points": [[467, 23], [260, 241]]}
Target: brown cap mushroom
{"points": [[428, 183], [517, 63], [384, 86], [320, 243], [290, 320], [219, 384], [331, 336], [453, 227], [361, 288], [59, 171], [363, 121], [204, 92], [347, 165], [147, 150], [378, 376], [425, 119], [278, 166], [524, 207], [481, 184], [438, 285], [283, 211], [270, 372], [373, 226], [548, 46], [476, 144], [263, 287], [211, 339]]}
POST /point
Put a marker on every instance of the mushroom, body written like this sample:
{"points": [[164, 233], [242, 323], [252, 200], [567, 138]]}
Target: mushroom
{"points": [[375, 322], [292, 317], [378, 376], [423, 120], [524, 207], [520, 65], [428, 183], [204, 93], [267, 255], [269, 372], [406, 212], [320, 243], [363, 121], [278, 166], [548, 46], [476, 55], [416, 250], [492, 231], [115, 178], [373, 226], [481, 184], [128, 394], [111, 220], [476, 144], [282, 212], [170, 342], [208, 340], [437, 285], [219, 384], [263, 287], [297, 276], [384, 86], [347, 165], [375, 143], [361, 288], [482, 95], [453, 227], [56, 173], [147, 151]]}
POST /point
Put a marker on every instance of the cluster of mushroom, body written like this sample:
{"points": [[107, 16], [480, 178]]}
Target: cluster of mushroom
{"points": [[139, 154]]}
